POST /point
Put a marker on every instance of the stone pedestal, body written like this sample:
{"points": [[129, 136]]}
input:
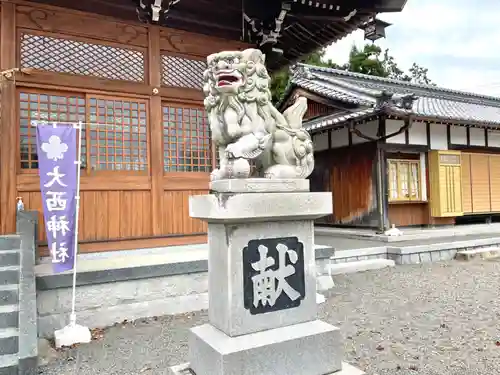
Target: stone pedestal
{"points": [[262, 283]]}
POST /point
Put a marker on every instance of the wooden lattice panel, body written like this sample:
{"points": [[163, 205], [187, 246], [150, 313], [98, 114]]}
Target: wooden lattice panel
{"points": [[118, 134], [186, 140], [182, 72], [46, 107], [75, 57]]}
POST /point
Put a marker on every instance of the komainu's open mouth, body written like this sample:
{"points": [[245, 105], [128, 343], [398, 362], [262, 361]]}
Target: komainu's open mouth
{"points": [[227, 80]]}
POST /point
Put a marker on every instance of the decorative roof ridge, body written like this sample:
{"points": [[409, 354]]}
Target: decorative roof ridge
{"points": [[300, 70], [407, 84]]}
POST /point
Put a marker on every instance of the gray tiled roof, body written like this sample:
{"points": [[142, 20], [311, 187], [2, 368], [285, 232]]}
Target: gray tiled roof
{"points": [[369, 91], [329, 91]]}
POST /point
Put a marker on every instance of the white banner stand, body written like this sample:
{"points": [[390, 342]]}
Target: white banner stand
{"points": [[74, 333]]}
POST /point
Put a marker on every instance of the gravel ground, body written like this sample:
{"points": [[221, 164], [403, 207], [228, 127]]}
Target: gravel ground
{"points": [[435, 319]]}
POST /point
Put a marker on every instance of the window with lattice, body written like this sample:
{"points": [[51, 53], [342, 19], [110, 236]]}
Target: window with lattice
{"points": [[186, 140], [404, 180], [82, 58], [46, 107], [117, 134], [182, 72]]}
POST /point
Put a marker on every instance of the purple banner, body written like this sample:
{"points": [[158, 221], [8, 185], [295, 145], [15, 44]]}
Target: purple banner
{"points": [[57, 150]]}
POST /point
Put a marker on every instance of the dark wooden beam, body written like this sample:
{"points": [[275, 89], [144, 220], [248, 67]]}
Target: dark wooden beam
{"points": [[448, 134], [116, 9], [382, 128], [381, 187], [349, 134], [397, 147], [428, 133], [9, 122], [474, 148], [193, 23]]}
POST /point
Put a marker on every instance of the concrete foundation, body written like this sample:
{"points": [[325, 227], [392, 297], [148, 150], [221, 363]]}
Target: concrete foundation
{"points": [[347, 369]]}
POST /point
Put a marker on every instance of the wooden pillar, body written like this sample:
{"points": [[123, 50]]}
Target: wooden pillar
{"points": [[155, 131], [8, 123], [382, 190]]}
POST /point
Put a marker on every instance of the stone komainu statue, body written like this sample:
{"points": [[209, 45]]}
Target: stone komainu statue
{"points": [[246, 126]]}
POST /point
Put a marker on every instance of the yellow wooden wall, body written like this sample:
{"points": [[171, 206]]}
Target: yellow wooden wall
{"points": [[481, 183], [445, 178]]}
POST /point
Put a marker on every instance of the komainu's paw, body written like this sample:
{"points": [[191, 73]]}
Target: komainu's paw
{"points": [[216, 174]]}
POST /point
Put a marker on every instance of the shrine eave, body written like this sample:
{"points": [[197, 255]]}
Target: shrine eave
{"points": [[284, 30]]}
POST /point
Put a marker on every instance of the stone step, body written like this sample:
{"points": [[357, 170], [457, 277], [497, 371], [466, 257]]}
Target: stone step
{"points": [[9, 316], [487, 252], [9, 275], [10, 241], [9, 341], [9, 257], [9, 364], [359, 266], [9, 294]]}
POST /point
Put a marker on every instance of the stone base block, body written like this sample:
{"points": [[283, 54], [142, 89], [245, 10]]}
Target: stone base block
{"points": [[347, 369], [311, 348]]}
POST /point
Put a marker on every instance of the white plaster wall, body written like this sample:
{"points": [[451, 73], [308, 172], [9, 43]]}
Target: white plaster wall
{"points": [[369, 128], [320, 141], [423, 176], [477, 137], [392, 126], [458, 135], [439, 137], [418, 133], [493, 138], [340, 138]]}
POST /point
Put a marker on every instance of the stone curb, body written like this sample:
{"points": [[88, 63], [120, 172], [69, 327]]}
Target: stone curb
{"points": [[28, 329], [65, 280]]}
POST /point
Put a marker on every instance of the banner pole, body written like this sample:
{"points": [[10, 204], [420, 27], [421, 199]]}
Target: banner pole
{"points": [[72, 333], [78, 163]]}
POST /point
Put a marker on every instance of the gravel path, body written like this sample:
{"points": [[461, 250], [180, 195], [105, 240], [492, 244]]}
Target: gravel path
{"points": [[435, 319]]}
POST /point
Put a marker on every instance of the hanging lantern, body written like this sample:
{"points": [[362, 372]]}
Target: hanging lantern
{"points": [[375, 29]]}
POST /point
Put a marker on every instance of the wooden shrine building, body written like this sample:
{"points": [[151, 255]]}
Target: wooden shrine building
{"points": [[392, 152], [131, 71]]}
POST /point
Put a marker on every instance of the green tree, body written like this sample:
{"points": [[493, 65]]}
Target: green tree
{"points": [[392, 69], [279, 82], [371, 61], [419, 75], [367, 61]]}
